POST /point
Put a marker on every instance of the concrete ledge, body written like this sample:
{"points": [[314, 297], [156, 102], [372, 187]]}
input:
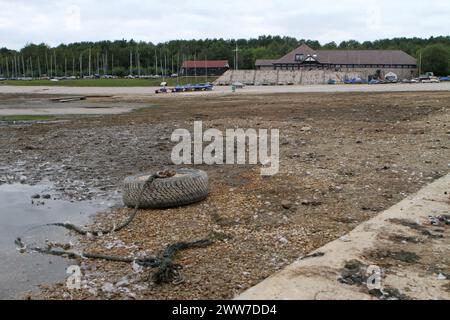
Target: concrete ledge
{"points": [[372, 243]]}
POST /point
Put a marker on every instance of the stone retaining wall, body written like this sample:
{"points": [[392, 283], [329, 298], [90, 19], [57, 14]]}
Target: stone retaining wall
{"points": [[299, 77]]}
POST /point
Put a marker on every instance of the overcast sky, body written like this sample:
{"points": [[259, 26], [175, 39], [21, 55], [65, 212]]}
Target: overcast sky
{"points": [[55, 22]]}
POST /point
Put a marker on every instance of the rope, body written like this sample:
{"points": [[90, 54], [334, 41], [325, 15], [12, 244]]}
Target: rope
{"points": [[123, 225], [167, 271]]}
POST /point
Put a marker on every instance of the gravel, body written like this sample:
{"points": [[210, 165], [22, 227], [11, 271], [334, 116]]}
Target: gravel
{"points": [[259, 225]]}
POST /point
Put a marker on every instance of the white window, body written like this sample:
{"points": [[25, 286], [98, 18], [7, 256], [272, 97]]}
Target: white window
{"points": [[299, 57]]}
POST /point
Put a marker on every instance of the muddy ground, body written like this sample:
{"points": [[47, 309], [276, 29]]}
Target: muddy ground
{"points": [[344, 158]]}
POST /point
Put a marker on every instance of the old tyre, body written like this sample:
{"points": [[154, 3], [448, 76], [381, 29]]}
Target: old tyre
{"points": [[186, 187]]}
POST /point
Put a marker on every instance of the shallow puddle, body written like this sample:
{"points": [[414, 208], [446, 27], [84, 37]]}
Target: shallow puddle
{"points": [[18, 215]]}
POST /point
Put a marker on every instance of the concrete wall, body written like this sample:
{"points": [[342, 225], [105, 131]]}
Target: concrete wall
{"points": [[266, 77], [306, 77], [364, 73], [283, 77], [401, 73], [225, 79]]}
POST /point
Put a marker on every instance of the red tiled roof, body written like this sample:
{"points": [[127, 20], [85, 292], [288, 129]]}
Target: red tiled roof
{"points": [[191, 64]]}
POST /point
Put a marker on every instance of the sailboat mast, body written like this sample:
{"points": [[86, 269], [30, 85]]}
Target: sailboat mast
{"points": [[39, 67], [7, 68], [31, 68], [90, 62], [131, 63], [51, 65], [195, 67], [178, 68], [165, 61], [81, 65], [23, 67], [46, 64], [98, 62], [161, 64], [156, 62], [56, 70]]}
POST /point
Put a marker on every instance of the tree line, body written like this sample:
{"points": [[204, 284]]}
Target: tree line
{"points": [[124, 57]]}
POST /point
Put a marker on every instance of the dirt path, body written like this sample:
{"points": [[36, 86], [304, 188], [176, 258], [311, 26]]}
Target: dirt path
{"points": [[344, 158]]}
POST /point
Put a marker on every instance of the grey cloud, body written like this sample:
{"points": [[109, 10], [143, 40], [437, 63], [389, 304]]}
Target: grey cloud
{"points": [[49, 21]]}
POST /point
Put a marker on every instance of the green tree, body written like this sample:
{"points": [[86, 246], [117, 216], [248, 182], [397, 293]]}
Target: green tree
{"points": [[114, 56], [330, 46], [436, 58]]}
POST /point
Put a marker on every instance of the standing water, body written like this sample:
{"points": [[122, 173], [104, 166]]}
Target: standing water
{"points": [[19, 214]]}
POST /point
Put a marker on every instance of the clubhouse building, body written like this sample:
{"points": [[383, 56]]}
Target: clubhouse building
{"points": [[367, 61]]}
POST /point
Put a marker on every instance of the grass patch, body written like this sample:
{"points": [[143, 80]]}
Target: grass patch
{"points": [[107, 82], [27, 118]]}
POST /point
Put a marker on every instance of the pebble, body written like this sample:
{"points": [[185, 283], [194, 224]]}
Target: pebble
{"points": [[286, 204], [137, 268], [109, 288], [441, 277], [123, 282], [311, 203], [93, 291]]}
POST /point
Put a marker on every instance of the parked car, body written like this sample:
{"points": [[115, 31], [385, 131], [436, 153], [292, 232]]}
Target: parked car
{"points": [[429, 80], [161, 90], [355, 81], [444, 78], [434, 80], [178, 89]]}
